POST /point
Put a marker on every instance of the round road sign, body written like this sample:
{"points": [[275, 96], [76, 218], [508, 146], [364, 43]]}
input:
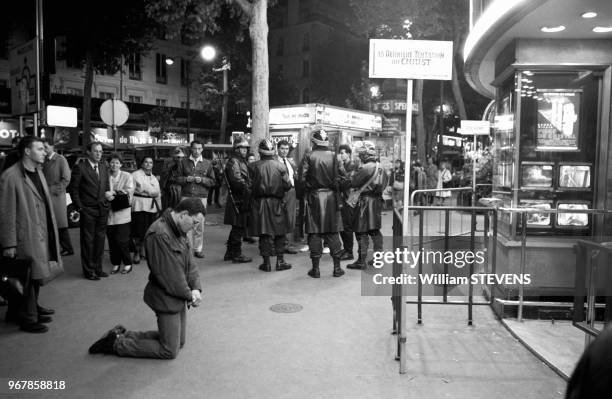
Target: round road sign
{"points": [[114, 112]]}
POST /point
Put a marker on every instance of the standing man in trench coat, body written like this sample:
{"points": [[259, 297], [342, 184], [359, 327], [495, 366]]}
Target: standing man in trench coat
{"points": [[269, 218], [57, 173], [320, 177], [28, 231]]}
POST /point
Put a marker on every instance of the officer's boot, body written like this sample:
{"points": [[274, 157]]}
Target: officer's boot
{"points": [[360, 264], [265, 267], [314, 272], [281, 264], [337, 269]]}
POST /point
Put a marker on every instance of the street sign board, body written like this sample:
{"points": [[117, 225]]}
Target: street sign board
{"points": [[114, 112], [478, 128], [61, 116], [411, 59]]}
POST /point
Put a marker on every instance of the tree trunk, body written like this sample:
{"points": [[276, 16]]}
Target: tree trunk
{"points": [[86, 122], [457, 94], [421, 141], [260, 107]]}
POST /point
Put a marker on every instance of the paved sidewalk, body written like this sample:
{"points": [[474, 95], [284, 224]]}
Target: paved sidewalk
{"points": [[338, 346]]}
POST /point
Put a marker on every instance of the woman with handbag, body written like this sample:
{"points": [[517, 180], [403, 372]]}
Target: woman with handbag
{"points": [[145, 205], [444, 178], [119, 216]]}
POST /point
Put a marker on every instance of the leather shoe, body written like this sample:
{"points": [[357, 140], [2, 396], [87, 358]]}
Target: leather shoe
{"points": [[107, 342], [290, 251], [92, 277], [34, 328], [102, 274], [264, 267], [66, 253], [115, 269], [45, 311], [126, 269], [44, 319], [199, 254], [241, 259]]}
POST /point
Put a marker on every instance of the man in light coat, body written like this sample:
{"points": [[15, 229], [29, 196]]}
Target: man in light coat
{"points": [[29, 231], [57, 173]]}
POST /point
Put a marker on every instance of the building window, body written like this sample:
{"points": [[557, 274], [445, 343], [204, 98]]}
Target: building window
{"points": [[306, 42], [161, 102], [185, 67], [305, 95], [135, 99], [71, 91], [280, 46], [134, 67], [161, 75], [305, 68], [106, 95]]}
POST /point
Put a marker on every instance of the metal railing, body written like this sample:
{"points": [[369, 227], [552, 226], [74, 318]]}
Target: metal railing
{"points": [[587, 286], [523, 213]]}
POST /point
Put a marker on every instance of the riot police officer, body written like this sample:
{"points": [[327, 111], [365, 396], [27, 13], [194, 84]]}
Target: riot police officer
{"points": [[237, 205], [269, 218], [320, 177]]}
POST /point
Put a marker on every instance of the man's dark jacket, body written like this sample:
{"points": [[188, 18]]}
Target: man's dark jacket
{"points": [[268, 210], [87, 189], [237, 173], [173, 274]]}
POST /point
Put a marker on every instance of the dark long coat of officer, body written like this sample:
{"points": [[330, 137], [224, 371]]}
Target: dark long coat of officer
{"points": [[269, 218], [320, 176], [237, 207], [367, 219]]}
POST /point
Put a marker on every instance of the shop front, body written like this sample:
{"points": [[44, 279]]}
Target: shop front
{"points": [[295, 123], [552, 89]]}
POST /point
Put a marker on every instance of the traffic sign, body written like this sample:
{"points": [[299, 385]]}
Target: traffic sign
{"points": [[475, 128], [411, 59], [114, 112]]}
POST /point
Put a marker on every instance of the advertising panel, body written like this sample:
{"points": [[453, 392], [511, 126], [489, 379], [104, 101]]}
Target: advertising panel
{"points": [[22, 64], [411, 59], [558, 127]]}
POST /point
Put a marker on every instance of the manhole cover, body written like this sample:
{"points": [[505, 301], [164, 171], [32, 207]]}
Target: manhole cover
{"points": [[286, 308]]}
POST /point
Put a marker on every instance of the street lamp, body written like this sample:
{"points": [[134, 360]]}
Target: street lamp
{"points": [[209, 53]]}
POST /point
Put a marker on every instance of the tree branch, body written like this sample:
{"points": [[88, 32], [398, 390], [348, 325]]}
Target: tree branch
{"points": [[245, 5]]}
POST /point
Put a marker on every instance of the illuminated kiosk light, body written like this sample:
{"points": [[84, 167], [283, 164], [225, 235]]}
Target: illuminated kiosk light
{"points": [[552, 29], [602, 29], [589, 14]]}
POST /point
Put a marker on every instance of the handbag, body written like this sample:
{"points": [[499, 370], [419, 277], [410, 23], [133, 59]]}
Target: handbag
{"points": [[354, 193], [121, 201], [14, 277]]}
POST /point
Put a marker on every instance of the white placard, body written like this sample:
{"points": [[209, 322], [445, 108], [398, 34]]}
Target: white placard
{"points": [[411, 59], [61, 116], [478, 128], [290, 115]]}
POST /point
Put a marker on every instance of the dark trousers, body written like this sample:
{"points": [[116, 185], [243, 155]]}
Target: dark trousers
{"points": [[25, 308], [315, 242], [119, 243], [271, 245], [93, 229], [234, 241], [64, 240], [161, 344], [347, 224], [363, 242], [213, 194]]}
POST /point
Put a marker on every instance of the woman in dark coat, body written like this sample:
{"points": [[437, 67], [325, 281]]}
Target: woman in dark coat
{"points": [[269, 218], [367, 219]]}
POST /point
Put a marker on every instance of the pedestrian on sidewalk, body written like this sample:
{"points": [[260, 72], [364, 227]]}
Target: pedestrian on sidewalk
{"points": [[196, 176], [321, 179], [174, 285], [237, 206], [246, 238], [171, 191], [347, 165], [146, 204], [119, 218], [283, 148], [444, 181], [28, 232], [89, 185], [371, 180], [269, 219], [57, 173]]}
